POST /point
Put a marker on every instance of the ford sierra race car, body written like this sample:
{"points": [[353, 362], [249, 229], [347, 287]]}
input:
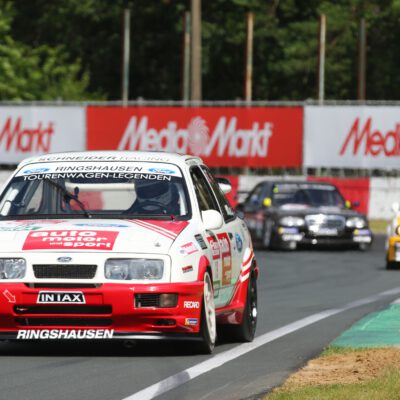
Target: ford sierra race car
{"points": [[123, 245]]}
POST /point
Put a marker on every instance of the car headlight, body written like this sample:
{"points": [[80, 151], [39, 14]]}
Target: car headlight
{"points": [[356, 222], [291, 221], [126, 269], [12, 268]]}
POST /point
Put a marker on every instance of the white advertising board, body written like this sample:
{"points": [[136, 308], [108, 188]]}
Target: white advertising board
{"points": [[352, 137], [32, 131]]}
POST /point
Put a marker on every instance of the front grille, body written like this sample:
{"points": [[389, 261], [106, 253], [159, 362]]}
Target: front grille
{"points": [[147, 300], [63, 321], [62, 309], [64, 285], [326, 221], [60, 271]]}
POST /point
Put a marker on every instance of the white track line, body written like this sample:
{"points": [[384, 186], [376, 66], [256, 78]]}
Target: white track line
{"points": [[186, 375]]}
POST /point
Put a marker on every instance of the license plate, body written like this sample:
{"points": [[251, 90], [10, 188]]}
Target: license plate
{"points": [[327, 232]]}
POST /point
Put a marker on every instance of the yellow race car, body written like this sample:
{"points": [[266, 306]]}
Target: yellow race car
{"points": [[392, 244]]}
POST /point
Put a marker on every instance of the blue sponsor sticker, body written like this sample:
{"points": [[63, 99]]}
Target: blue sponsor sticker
{"points": [[162, 171], [239, 242], [191, 321], [101, 225], [36, 171]]}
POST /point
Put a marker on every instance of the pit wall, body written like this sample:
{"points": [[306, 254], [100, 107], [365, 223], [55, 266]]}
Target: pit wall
{"points": [[375, 195]]}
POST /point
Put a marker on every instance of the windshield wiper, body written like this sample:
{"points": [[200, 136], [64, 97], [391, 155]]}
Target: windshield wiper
{"points": [[69, 196]]}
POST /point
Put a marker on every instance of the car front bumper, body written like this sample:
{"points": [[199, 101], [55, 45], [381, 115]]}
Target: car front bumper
{"points": [[109, 311], [304, 236]]}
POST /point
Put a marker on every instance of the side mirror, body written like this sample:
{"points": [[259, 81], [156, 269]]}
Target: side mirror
{"points": [[396, 207], [212, 219], [267, 202], [224, 185]]}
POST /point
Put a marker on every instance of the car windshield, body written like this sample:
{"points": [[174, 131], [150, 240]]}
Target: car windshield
{"points": [[313, 195], [96, 190]]}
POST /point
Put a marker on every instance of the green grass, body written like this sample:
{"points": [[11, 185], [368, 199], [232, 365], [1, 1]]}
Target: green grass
{"points": [[386, 387], [378, 225]]}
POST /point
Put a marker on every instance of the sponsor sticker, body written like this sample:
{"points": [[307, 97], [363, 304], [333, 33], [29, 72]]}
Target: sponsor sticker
{"points": [[162, 171], [36, 171], [63, 334], [70, 240], [191, 321], [239, 242], [61, 297], [188, 248], [186, 269], [191, 304], [214, 247], [200, 240]]}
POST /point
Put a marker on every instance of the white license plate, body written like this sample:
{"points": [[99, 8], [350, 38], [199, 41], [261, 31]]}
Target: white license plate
{"points": [[363, 239], [327, 232]]}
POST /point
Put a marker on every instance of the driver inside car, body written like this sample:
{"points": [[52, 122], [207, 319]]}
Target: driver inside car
{"points": [[155, 197]]}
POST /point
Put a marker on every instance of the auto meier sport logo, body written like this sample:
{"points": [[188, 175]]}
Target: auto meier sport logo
{"points": [[223, 136], [70, 240]]}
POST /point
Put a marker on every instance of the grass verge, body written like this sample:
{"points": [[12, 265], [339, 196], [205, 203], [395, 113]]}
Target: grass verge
{"points": [[378, 225], [385, 387]]}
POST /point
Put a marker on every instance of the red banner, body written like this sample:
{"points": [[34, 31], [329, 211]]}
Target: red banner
{"points": [[222, 136]]}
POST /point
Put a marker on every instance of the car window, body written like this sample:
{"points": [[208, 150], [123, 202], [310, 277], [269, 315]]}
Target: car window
{"points": [[111, 190], [204, 195], [255, 196], [227, 211]]}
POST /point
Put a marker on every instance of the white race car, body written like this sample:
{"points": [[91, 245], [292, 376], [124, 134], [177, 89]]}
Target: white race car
{"points": [[123, 245]]}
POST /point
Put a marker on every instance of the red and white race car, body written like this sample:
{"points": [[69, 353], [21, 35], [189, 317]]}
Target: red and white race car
{"points": [[123, 245]]}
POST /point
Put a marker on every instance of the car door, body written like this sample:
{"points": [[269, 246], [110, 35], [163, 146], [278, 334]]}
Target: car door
{"points": [[226, 266]]}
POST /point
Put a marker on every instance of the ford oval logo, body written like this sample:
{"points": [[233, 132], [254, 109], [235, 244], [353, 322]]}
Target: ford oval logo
{"points": [[64, 259]]}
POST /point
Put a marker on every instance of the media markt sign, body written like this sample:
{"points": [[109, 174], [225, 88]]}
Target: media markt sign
{"points": [[222, 136], [352, 137]]}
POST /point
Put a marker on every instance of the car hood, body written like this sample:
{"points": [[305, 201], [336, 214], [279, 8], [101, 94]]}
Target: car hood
{"points": [[120, 236], [303, 210]]}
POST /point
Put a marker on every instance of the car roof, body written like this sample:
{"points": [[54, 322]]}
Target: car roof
{"points": [[144, 156]]}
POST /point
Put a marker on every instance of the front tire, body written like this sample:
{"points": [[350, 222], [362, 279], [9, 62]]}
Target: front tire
{"points": [[208, 324]]}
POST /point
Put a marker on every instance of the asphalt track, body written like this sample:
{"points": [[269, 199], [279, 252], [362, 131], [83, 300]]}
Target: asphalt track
{"points": [[306, 299]]}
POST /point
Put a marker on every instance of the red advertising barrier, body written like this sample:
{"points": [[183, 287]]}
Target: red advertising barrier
{"points": [[351, 189], [222, 136]]}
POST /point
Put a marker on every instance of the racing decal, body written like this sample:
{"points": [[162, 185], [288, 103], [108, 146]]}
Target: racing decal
{"points": [[186, 269], [215, 250], [245, 271], [96, 175], [191, 321], [9, 296], [61, 297], [79, 240], [200, 240], [226, 254], [191, 304], [188, 248], [169, 229], [239, 242], [72, 169], [46, 334], [24, 225], [101, 225]]}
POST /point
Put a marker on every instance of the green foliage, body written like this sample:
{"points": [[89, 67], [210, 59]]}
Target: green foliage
{"points": [[79, 43], [36, 73]]}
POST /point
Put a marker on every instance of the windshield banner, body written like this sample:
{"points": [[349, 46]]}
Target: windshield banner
{"points": [[32, 131], [255, 137], [352, 137]]}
